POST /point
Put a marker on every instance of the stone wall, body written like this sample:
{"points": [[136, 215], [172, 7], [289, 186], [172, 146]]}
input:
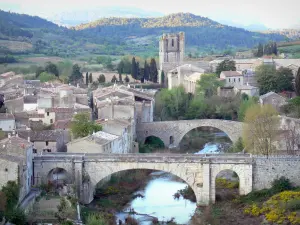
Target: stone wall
{"points": [[266, 170]]}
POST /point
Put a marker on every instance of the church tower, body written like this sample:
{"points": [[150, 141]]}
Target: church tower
{"points": [[171, 51]]}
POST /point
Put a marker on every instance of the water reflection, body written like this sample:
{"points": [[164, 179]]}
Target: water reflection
{"points": [[159, 201]]}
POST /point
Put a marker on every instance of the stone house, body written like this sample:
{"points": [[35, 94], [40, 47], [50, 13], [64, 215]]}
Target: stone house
{"points": [[7, 122], [45, 140], [31, 87], [14, 104], [273, 99], [232, 78], [246, 89], [30, 103], [185, 75], [16, 163]]}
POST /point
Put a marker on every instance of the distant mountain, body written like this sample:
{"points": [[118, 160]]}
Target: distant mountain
{"points": [[85, 16], [251, 27], [126, 35], [293, 34]]}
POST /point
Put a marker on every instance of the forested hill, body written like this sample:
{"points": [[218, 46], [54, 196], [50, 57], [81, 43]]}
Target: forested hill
{"points": [[200, 31], [119, 36]]}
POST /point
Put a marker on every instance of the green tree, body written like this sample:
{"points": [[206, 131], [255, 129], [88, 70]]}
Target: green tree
{"points": [[120, 78], [260, 129], [266, 78], [16, 216], [11, 191], [208, 84], [76, 74], [114, 79], [153, 73], [127, 79], [82, 126], [238, 146], [162, 77], [38, 71], [121, 67], [284, 79], [45, 77], [91, 78], [225, 65], [260, 50], [297, 83], [294, 104], [244, 106], [96, 219], [146, 71], [133, 69], [101, 79], [62, 210], [87, 78], [52, 69]]}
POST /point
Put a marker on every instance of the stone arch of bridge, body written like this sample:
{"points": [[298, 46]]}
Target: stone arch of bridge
{"points": [[107, 171], [59, 176], [243, 171]]}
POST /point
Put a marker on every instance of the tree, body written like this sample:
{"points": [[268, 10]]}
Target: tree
{"points": [[96, 219], [101, 79], [137, 71], [120, 78], [62, 210], [114, 79], [127, 79], [284, 79], [266, 79], [146, 71], [260, 50], [133, 69], [120, 67], [91, 78], [225, 65], [45, 77], [162, 77], [208, 84], [76, 74], [297, 83], [291, 136], [153, 73], [82, 126], [38, 71], [238, 146], [260, 129], [52, 68], [294, 104], [244, 106], [87, 78]]}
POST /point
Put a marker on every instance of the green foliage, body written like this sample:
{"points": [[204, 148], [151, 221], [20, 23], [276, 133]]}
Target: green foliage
{"points": [[238, 146], [208, 84], [11, 191], [162, 77], [68, 222], [294, 106], [62, 210], [87, 78], [96, 219], [52, 69], [267, 49], [134, 72], [16, 216], [244, 106], [293, 205], [76, 74], [225, 65], [297, 83], [281, 184], [153, 73], [91, 78], [82, 126], [101, 79], [45, 77]]}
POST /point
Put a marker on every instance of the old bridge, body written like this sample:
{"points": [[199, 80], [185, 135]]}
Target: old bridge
{"points": [[172, 132]]}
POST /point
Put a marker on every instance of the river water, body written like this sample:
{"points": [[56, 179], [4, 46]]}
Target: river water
{"points": [[158, 198]]}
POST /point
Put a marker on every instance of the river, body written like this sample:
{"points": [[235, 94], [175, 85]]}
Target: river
{"points": [[158, 198]]}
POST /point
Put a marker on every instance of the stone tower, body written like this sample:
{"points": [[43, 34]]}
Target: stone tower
{"points": [[171, 51]]}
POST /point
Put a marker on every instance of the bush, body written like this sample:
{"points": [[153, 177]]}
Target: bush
{"points": [[96, 219], [16, 216], [293, 205], [281, 184]]}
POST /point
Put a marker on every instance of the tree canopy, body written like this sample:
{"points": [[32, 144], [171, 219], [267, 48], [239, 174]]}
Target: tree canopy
{"points": [[208, 84], [82, 126], [225, 65], [76, 74]]}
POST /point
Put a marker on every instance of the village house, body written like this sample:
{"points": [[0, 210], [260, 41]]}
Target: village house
{"points": [[273, 99], [246, 89], [232, 78], [16, 163], [7, 122]]}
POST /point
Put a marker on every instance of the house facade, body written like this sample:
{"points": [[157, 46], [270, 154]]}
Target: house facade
{"points": [[7, 122]]}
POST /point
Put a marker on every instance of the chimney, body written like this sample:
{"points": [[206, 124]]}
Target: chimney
{"points": [[14, 132], [17, 135], [9, 135], [77, 85], [28, 139]]}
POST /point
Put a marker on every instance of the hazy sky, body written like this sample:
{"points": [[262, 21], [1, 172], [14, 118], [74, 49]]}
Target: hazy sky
{"points": [[272, 13]]}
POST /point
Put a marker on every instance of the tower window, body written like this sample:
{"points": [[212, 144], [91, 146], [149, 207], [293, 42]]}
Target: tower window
{"points": [[172, 42]]}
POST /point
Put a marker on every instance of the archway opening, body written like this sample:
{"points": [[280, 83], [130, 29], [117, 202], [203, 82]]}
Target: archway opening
{"points": [[152, 144], [227, 185], [145, 194], [203, 140], [57, 178]]}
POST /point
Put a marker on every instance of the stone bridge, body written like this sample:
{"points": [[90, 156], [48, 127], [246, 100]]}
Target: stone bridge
{"points": [[172, 132], [198, 171]]}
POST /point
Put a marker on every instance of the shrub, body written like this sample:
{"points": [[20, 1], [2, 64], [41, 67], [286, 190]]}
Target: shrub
{"points": [[252, 210], [96, 219], [224, 183], [281, 184], [16, 216], [293, 205]]}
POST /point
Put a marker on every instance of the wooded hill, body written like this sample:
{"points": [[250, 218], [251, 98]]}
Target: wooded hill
{"points": [[118, 36]]}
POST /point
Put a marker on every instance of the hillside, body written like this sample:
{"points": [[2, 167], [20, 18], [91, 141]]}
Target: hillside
{"points": [[119, 36]]}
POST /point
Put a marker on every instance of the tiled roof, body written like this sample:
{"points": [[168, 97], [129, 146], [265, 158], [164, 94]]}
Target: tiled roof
{"points": [[231, 73], [269, 94], [44, 135], [30, 99], [10, 145], [6, 116], [35, 115], [62, 124]]}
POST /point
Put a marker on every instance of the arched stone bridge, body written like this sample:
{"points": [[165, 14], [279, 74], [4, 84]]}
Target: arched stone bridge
{"points": [[172, 132], [198, 171]]}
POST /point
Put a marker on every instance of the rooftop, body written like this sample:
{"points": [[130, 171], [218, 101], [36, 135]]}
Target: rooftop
{"points": [[14, 145], [44, 135], [6, 116], [269, 94], [231, 73]]}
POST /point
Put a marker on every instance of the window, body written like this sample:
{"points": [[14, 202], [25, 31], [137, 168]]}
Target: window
{"points": [[47, 143], [233, 79], [51, 120], [172, 42], [229, 79], [34, 150], [47, 113], [6, 170], [239, 79], [48, 150]]}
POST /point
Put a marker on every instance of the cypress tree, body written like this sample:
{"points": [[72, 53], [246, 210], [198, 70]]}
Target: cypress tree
{"points": [[297, 83], [146, 71], [153, 71], [162, 77], [87, 78], [133, 69], [91, 78]]}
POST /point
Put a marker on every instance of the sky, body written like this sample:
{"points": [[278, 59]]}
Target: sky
{"points": [[275, 14]]}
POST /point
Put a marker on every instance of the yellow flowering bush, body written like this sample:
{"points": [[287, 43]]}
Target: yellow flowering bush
{"points": [[223, 183], [279, 209]]}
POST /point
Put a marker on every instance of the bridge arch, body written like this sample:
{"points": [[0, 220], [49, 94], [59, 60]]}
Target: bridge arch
{"points": [[102, 172], [174, 131]]}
